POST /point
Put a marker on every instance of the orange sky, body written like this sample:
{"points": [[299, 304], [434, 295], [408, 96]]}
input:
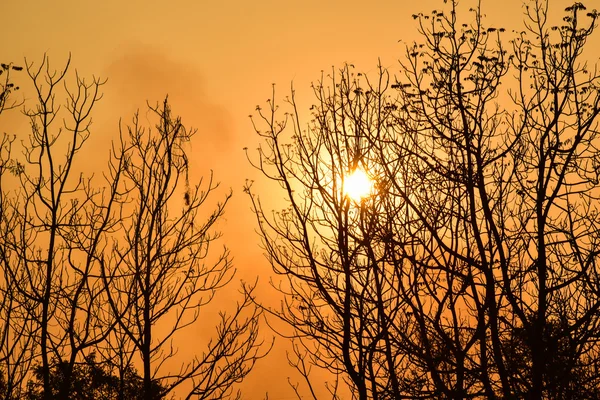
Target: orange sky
{"points": [[217, 60]]}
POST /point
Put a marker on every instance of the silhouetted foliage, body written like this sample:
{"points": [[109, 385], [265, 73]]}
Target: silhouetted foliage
{"points": [[471, 271], [7, 87], [91, 381], [568, 375]]}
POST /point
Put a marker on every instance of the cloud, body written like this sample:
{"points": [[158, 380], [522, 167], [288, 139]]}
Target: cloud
{"points": [[143, 74]]}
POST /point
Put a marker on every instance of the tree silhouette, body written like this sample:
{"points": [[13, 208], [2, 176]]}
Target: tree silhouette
{"points": [[471, 271], [15, 338], [53, 231], [160, 271], [98, 272]]}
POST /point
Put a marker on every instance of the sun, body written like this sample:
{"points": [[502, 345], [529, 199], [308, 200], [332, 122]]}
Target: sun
{"points": [[358, 185]]}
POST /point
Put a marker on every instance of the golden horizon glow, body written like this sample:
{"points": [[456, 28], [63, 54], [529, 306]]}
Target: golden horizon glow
{"points": [[358, 185]]}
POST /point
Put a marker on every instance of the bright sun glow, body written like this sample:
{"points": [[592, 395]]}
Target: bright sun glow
{"points": [[358, 185]]}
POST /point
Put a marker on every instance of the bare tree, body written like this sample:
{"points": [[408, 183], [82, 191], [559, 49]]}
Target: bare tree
{"points": [[161, 276], [519, 187], [470, 271], [339, 292], [16, 327], [61, 221], [98, 272]]}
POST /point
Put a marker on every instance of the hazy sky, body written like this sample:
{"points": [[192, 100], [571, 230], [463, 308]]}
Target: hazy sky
{"points": [[217, 61]]}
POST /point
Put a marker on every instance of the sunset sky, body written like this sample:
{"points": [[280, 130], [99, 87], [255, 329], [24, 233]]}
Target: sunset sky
{"points": [[217, 60]]}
